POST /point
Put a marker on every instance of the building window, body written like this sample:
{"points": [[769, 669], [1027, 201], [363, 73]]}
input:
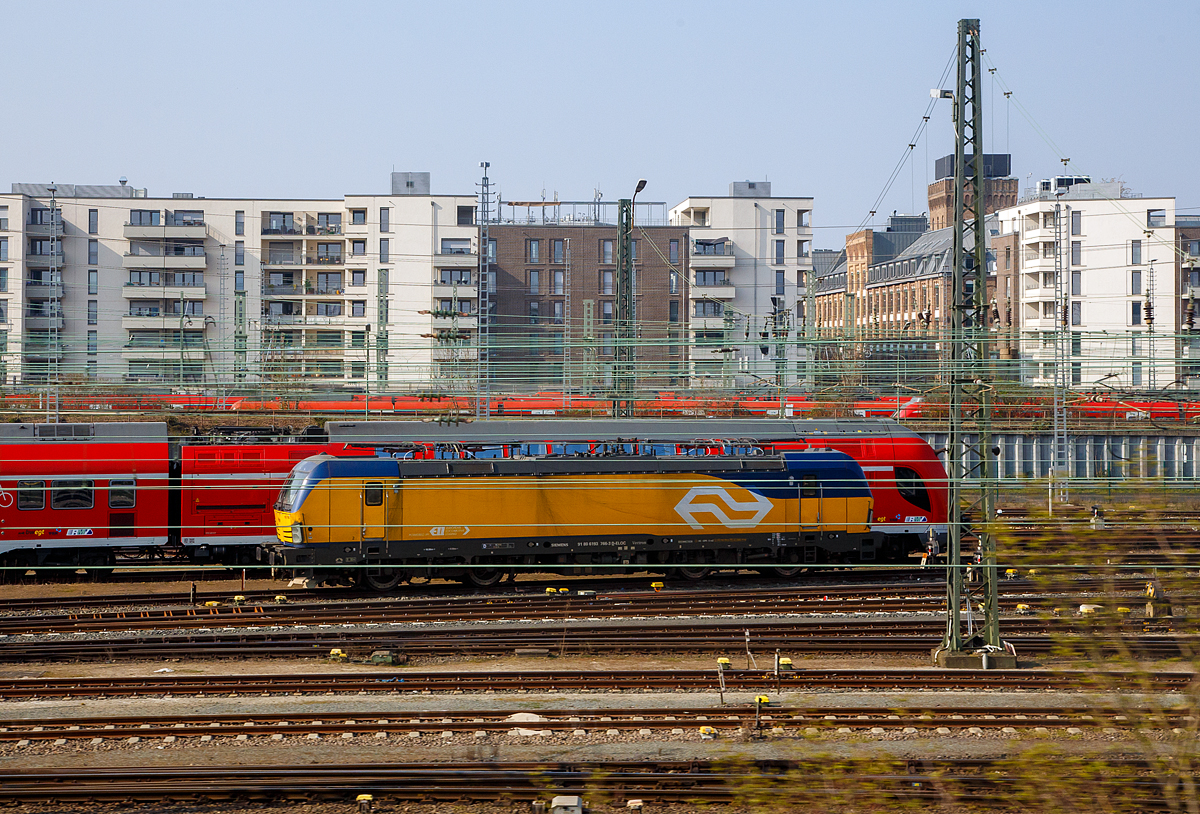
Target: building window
{"points": [[455, 277], [1076, 253], [557, 312], [385, 248], [358, 217], [606, 312], [1076, 283], [1076, 312], [558, 251], [1008, 257], [606, 282], [1135, 345], [1076, 223], [556, 343], [92, 341], [559, 280], [534, 282], [239, 222], [1136, 374], [1076, 344], [707, 308], [606, 343], [779, 251], [358, 277], [780, 282], [606, 251], [239, 253], [466, 216], [358, 247], [491, 250], [801, 218], [3, 248], [673, 251], [633, 250], [239, 281], [93, 252], [93, 281], [673, 282], [533, 251], [385, 219], [144, 217], [1135, 312], [535, 311], [1076, 373], [1135, 252], [93, 312], [1135, 282], [93, 221], [673, 311], [358, 308]]}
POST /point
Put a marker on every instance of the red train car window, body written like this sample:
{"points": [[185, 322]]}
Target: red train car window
{"points": [[31, 494], [122, 494], [72, 494], [910, 487]]}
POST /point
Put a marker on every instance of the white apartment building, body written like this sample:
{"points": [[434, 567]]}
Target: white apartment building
{"points": [[1120, 287], [118, 286], [750, 259]]}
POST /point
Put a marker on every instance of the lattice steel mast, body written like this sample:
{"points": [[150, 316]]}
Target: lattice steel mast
{"points": [[483, 373], [969, 453]]}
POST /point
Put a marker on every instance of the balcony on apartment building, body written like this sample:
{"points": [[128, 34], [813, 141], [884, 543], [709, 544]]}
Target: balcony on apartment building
{"points": [[41, 349], [301, 224], [175, 257], [151, 225], [42, 290], [712, 285], [325, 258], [40, 319], [465, 322], [43, 258], [712, 254], [45, 228], [455, 252]]}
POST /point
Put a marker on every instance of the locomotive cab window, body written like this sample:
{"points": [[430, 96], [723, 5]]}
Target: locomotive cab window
{"points": [[71, 494], [122, 494], [911, 488], [808, 486], [31, 494], [373, 494]]}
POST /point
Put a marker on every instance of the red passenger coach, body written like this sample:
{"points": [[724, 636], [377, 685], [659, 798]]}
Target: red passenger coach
{"points": [[227, 492], [70, 494]]}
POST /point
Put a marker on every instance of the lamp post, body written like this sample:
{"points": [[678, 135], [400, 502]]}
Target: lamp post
{"points": [[625, 316]]}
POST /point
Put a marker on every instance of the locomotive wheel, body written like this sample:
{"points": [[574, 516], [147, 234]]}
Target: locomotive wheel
{"points": [[692, 574], [385, 580], [484, 577], [783, 573]]}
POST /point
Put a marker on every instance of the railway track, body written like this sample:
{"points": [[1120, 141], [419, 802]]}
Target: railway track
{"points": [[1120, 783], [894, 634], [390, 723], [261, 611], [443, 682]]}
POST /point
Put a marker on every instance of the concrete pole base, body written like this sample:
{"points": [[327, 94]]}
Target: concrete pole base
{"points": [[972, 661]]}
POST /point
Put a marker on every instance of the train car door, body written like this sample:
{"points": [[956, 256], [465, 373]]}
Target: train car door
{"points": [[374, 510], [810, 502]]}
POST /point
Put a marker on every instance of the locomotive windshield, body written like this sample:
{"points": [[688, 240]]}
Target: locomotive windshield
{"points": [[289, 495]]}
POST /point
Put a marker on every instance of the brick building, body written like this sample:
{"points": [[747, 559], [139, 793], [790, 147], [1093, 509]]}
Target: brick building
{"points": [[999, 190], [554, 306]]}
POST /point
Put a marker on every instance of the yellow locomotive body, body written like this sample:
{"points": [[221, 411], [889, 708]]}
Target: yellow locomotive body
{"points": [[634, 510]]}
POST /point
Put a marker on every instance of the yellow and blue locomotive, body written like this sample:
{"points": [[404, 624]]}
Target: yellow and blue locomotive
{"points": [[381, 520]]}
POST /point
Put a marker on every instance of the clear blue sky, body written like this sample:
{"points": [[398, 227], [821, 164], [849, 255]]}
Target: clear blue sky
{"points": [[300, 99]]}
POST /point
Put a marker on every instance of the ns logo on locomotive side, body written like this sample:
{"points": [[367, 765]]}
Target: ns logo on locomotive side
{"points": [[380, 521]]}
